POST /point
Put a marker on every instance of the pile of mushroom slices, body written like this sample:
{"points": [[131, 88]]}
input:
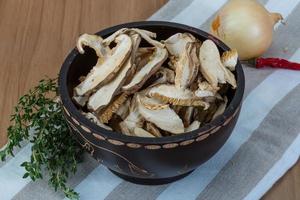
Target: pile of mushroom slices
{"points": [[169, 87]]}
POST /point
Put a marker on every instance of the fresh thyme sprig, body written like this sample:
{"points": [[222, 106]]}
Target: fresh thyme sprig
{"points": [[38, 119]]}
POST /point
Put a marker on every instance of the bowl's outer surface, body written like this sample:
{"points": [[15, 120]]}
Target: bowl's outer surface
{"points": [[146, 160]]}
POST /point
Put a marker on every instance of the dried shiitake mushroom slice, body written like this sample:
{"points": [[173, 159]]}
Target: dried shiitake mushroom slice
{"points": [[105, 93], [187, 115], [184, 59], [163, 76], [171, 63], [81, 100], [153, 104], [165, 118], [94, 119], [221, 109], [109, 68], [114, 123], [123, 110], [143, 56], [136, 40], [176, 44], [212, 67], [147, 35], [159, 56], [125, 129], [205, 90], [151, 128], [142, 132], [167, 74], [193, 126], [230, 59], [107, 41], [134, 118], [142, 51], [94, 42], [187, 66], [210, 112], [170, 94], [108, 111]]}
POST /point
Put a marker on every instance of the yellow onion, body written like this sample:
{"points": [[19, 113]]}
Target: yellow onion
{"points": [[245, 25]]}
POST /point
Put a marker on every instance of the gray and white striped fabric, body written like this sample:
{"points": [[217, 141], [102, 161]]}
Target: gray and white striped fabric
{"points": [[263, 146]]}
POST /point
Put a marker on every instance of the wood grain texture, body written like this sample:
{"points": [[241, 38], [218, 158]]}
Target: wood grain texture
{"points": [[288, 187], [36, 35]]}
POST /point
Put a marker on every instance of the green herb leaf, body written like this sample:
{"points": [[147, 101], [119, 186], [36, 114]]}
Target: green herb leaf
{"points": [[38, 119]]}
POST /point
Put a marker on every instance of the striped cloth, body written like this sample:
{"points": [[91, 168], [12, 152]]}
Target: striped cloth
{"points": [[263, 146]]}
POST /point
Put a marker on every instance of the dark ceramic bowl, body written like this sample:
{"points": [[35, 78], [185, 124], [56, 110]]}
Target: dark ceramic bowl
{"points": [[147, 160]]}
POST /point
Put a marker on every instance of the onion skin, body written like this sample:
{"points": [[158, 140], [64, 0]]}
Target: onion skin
{"points": [[245, 25]]}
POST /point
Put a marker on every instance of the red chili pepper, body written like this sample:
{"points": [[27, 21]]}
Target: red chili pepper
{"points": [[276, 63]]}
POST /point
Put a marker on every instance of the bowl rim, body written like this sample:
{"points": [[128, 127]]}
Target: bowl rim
{"points": [[230, 111]]}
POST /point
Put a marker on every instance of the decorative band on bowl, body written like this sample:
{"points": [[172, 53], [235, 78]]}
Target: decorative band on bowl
{"points": [[170, 145], [202, 137], [115, 142], [152, 147]]}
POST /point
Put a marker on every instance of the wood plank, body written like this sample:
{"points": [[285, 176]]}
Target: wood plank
{"points": [[288, 187]]}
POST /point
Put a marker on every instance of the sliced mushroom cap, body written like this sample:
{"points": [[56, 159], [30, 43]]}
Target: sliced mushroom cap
{"points": [[94, 119], [172, 62], [159, 56], [193, 126], [176, 44], [144, 50], [221, 109], [212, 67], [205, 90], [170, 94], [108, 69], [177, 109], [165, 118], [168, 74], [153, 104], [146, 35], [94, 42], [163, 76], [145, 32], [81, 100], [230, 59], [140, 132], [136, 40], [125, 129], [104, 95], [108, 111], [210, 112], [151, 128], [114, 123], [123, 111], [134, 118], [187, 66], [107, 41], [187, 116], [143, 57]]}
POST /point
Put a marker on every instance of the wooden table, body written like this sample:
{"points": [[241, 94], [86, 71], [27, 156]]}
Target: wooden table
{"points": [[36, 35]]}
